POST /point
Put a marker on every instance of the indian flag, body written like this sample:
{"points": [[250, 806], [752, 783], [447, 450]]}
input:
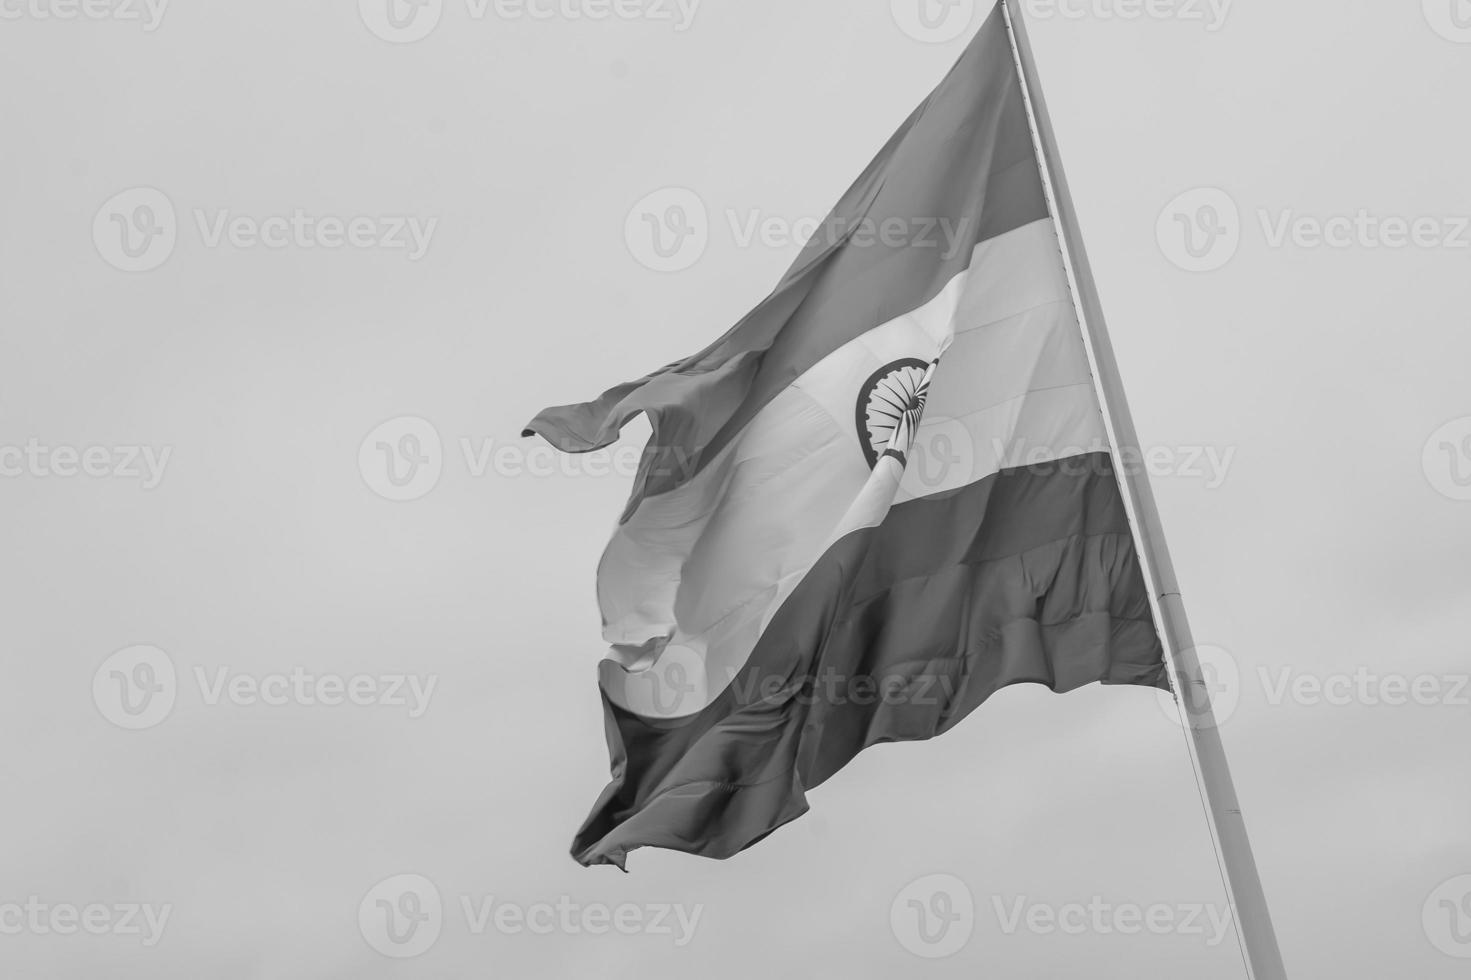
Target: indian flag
{"points": [[882, 496]]}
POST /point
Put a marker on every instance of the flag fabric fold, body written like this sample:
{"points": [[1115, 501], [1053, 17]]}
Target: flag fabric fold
{"points": [[881, 497]]}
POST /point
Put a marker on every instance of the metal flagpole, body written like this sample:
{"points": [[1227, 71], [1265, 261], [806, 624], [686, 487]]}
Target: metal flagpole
{"points": [[1258, 940]]}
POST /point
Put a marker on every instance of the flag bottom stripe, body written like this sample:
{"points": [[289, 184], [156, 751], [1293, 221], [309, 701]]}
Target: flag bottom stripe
{"points": [[898, 632]]}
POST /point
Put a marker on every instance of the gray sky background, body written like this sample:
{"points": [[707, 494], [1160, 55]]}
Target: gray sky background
{"points": [[1333, 543]]}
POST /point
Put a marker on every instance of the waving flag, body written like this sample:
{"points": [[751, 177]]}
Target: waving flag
{"points": [[881, 497]]}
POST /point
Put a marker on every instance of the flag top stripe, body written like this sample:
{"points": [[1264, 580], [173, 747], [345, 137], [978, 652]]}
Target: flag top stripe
{"points": [[962, 161]]}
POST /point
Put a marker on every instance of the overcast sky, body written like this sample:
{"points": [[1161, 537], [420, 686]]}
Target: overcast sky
{"points": [[245, 244]]}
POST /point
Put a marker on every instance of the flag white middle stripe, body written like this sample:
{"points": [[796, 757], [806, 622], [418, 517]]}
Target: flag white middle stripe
{"points": [[691, 579]]}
